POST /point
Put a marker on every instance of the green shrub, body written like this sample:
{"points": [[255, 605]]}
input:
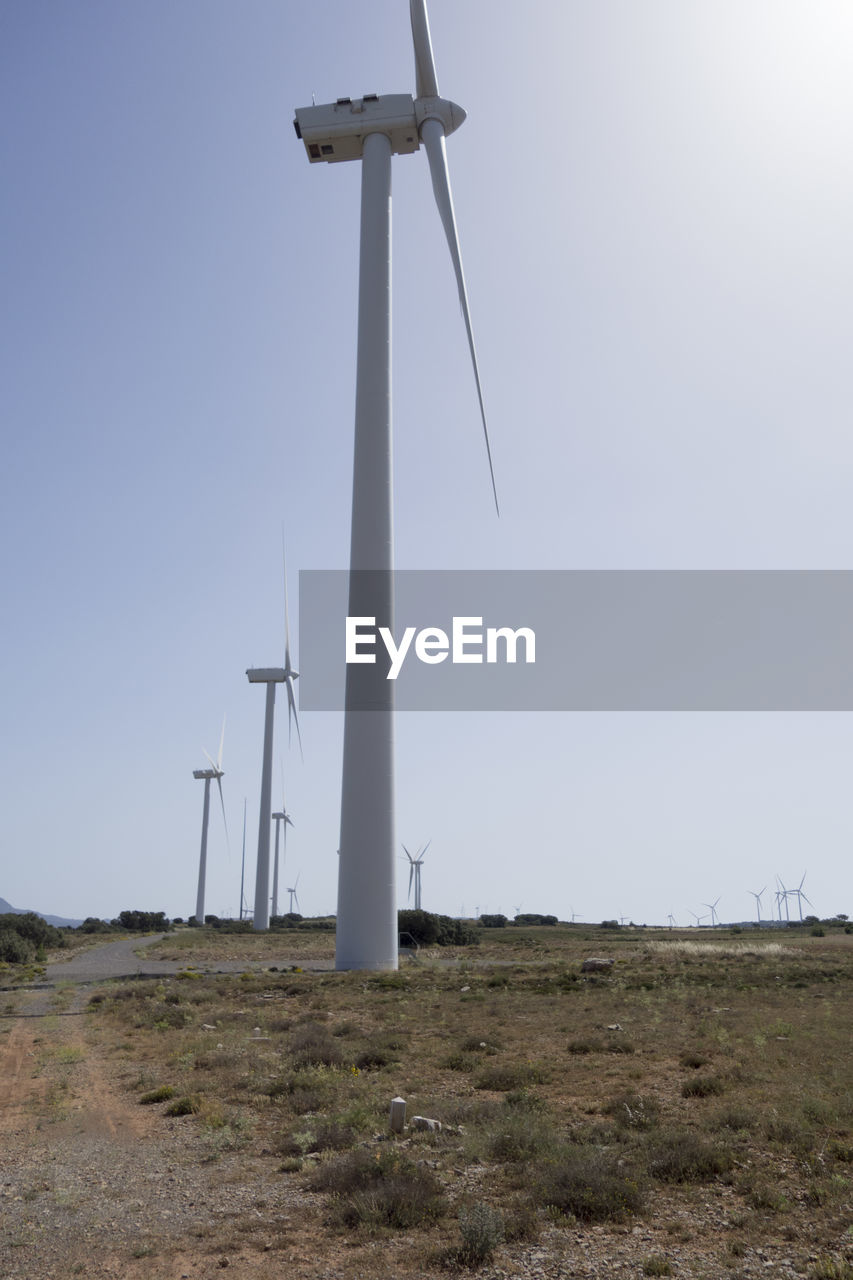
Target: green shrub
{"points": [[482, 1230], [702, 1087], [312, 1045], [693, 1059], [14, 948], [430, 930], [680, 1156], [590, 1185], [379, 1189], [186, 1106], [517, 1136], [734, 1117], [162, 1094]]}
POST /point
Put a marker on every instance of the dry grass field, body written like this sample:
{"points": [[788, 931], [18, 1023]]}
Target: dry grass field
{"points": [[687, 1113]]}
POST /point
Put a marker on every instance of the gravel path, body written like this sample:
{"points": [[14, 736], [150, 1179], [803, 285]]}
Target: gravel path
{"points": [[127, 959]]}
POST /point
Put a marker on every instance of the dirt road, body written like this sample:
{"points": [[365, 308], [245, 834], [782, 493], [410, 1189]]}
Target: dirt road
{"points": [[93, 1184]]}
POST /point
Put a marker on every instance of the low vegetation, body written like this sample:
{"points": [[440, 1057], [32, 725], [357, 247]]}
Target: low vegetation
{"points": [[700, 1090]]}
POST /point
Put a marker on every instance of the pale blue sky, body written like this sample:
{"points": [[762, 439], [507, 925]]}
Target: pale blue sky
{"points": [[655, 205]]}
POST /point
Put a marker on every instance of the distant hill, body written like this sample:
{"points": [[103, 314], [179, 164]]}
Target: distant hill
{"points": [[58, 922]]}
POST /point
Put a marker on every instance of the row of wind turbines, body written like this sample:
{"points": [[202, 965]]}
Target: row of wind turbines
{"points": [[782, 896], [270, 676], [266, 901], [370, 130]]}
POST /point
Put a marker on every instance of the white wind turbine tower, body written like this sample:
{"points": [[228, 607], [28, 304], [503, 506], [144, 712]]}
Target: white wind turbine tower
{"points": [[271, 676], [757, 897], [208, 775], [280, 819], [416, 863], [371, 129]]}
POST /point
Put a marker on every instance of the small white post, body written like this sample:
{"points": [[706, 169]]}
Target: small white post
{"points": [[398, 1115]]}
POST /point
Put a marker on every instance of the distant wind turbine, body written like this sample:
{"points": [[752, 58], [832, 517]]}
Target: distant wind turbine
{"points": [[208, 775], [416, 863], [271, 676], [293, 897], [371, 129], [712, 906], [800, 896], [757, 897], [281, 819], [782, 895]]}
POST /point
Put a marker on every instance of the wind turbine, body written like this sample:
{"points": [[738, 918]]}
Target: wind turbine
{"points": [[283, 817], [416, 863], [271, 676], [671, 920], [293, 897], [800, 895], [371, 129], [208, 775], [712, 906], [757, 897], [698, 919], [782, 895]]}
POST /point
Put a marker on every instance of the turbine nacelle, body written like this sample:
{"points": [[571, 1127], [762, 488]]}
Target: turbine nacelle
{"points": [[266, 675], [336, 131], [208, 773]]}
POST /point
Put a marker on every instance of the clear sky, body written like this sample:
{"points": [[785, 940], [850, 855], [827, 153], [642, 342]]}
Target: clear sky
{"points": [[655, 204]]}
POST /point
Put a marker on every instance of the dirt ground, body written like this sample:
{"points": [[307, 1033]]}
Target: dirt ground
{"points": [[92, 1184]]}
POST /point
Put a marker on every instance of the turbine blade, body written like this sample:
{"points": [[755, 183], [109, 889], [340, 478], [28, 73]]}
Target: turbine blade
{"points": [[224, 819], [422, 854], [411, 873], [286, 613], [432, 136], [291, 710], [426, 80]]}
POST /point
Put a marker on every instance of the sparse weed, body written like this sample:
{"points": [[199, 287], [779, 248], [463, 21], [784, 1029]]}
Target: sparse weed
{"points": [[502, 1077], [829, 1268], [657, 1265], [634, 1111]]}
